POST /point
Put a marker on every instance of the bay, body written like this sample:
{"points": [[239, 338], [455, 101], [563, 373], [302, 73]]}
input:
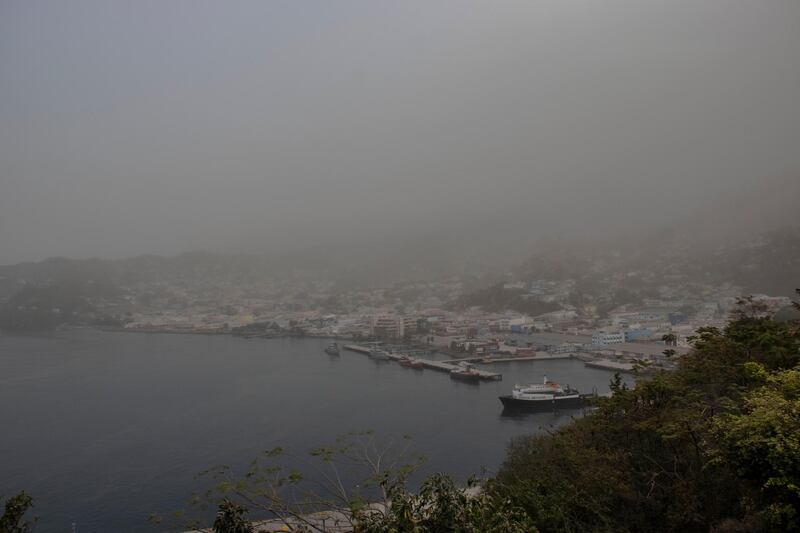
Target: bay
{"points": [[103, 428]]}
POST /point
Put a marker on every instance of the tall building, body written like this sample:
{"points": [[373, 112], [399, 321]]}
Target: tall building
{"points": [[392, 326], [384, 326]]}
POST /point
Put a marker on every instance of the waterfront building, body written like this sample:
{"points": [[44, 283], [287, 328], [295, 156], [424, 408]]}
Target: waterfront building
{"points": [[643, 334], [392, 326], [386, 326], [604, 338]]}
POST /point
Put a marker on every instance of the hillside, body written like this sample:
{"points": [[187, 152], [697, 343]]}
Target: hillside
{"points": [[713, 446]]}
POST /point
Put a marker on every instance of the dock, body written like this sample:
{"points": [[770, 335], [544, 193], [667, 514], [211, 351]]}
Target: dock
{"points": [[356, 348], [441, 366], [605, 364], [486, 360]]}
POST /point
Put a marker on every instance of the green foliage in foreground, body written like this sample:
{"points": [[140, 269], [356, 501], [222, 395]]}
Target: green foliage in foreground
{"points": [[312, 494], [13, 518], [441, 506], [761, 440], [713, 446], [232, 518]]}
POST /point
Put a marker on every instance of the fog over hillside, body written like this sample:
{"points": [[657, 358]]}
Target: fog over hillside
{"points": [[444, 129], [554, 242]]}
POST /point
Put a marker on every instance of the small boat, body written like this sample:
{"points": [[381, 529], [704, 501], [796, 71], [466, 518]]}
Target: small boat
{"points": [[408, 362], [465, 372], [332, 349], [545, 396], [379, 355]]}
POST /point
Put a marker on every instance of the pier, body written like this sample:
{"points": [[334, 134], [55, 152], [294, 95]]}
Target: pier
{"points": [[441, 366], [605, 364], [487, 359]]}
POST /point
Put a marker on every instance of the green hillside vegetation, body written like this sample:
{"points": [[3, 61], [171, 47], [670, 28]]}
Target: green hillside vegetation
{"points": [[713, 446], [46, 307]]}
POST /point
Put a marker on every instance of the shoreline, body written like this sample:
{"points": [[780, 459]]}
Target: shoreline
{"points": [[601, 363]]}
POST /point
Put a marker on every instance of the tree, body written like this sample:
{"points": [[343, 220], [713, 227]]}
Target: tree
{"points": [[713, 445], [231, 518], [441, 507], [748, 308], [761, 440], [315, 493], [319, 500], [670, 339], [14, 513]]}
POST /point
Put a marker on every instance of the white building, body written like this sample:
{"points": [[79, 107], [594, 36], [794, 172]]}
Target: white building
{"points": [[392, 326], [604, 338]]}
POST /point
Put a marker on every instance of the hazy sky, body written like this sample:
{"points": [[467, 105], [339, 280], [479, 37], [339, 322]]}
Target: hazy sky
{"points": [[156, 127]]}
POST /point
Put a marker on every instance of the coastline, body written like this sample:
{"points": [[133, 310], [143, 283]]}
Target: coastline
{"points": [[598, 362]]}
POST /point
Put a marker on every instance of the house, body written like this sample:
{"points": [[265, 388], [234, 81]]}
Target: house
{"points": [[603, 338]]}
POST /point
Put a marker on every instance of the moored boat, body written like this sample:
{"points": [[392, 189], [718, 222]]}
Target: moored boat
{"points": [[332, 349], [465, 372], [379, 355], [409, 362], [544, 396]]}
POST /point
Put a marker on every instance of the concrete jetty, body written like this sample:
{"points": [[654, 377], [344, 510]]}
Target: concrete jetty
{"points": [[605, 364], [488, 359], [356, 348], [442, 366]]}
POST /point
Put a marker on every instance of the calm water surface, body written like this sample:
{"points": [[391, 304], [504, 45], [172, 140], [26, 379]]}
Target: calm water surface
{"points": [[103, 428]]}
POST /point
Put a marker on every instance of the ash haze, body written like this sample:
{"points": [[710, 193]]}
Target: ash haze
{"points": [[231, 228], [159, 127]]}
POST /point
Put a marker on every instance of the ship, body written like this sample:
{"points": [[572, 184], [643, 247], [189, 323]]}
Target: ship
{"points": [[465, 372], [409, 362], [332, 349], [545, 396]]}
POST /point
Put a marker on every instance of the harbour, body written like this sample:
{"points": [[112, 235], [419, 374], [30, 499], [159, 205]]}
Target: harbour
{"points": [[148, 412], [440, 366]]}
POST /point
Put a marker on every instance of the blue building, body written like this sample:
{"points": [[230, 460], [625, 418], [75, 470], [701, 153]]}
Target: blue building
{"points": [[638, 334]]}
